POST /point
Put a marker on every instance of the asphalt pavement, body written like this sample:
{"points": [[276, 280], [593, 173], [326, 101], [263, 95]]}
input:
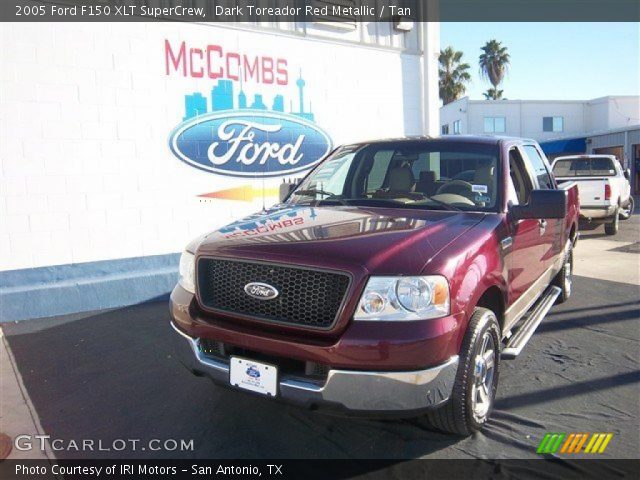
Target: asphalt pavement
{"points": [[110, 375]]}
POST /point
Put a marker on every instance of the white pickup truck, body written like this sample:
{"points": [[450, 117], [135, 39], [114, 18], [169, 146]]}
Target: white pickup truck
{"points": [[603, 186]]}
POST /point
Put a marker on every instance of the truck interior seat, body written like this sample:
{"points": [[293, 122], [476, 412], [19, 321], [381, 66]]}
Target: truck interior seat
{"points": [[400, 181], [427, 183], [485, 176]]}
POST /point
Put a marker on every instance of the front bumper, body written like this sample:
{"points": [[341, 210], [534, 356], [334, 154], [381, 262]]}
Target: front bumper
{"points": [[351, 390]]}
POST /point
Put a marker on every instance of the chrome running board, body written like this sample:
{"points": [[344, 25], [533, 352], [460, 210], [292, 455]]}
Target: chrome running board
{"points": [[519, 339]]}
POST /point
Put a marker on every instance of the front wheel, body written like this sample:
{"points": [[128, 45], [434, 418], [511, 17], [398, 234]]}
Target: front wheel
{"points": [[612, 227], [476, 382], [625, 213]]}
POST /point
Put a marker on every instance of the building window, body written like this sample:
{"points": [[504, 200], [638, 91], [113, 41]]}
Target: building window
{"points": [[552, 124], [495, 125], [338, 13], [444, 129], [456, 127]]}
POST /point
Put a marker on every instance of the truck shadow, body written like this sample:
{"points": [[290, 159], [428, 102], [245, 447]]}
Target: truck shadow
{"points": [[560, 321], [111, 376], [566, 391]]}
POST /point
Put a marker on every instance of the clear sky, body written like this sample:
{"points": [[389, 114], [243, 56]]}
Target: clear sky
{"points": [[569, 61]]}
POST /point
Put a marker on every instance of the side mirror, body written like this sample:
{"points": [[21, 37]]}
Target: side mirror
{"points": [[627, 173], [285, 190], [542, 204]]}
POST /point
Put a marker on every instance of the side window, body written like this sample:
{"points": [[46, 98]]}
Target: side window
{"points": [[512, 194], [539, 167], [519, 178]]}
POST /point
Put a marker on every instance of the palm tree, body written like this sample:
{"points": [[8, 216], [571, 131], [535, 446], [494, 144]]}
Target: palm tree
{"points": [[453, 75], [493, 94], [494, 62]]}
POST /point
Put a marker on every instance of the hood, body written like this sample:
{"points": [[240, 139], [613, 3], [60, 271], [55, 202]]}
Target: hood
{"points": [[383, 241]]}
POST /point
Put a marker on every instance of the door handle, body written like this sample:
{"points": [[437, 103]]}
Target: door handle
{"points": [[542, 223]]}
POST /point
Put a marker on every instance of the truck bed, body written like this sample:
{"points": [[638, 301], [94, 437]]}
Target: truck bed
{"points": [[591, 190]]}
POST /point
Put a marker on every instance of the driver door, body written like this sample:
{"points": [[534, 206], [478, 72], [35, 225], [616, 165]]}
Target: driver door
{"points": [[524, 258]]}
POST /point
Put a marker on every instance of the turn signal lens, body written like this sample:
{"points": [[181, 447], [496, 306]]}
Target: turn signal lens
{"points": [[441, 293]]}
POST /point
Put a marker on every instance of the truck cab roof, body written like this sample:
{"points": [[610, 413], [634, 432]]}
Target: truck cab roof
{"points": [[477, 139]]}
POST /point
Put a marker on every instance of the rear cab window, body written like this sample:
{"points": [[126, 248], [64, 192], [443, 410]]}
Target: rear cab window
{"points": [[585, 167]]}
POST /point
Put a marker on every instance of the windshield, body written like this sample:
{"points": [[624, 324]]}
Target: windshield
{"points": [[584, 167], [427, 175]]}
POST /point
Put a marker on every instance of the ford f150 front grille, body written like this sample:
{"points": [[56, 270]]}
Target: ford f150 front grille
{"points": [[306, 298]]}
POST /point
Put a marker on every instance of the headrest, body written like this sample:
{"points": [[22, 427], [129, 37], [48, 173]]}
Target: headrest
{"points": [[400, 179], [427, 176], [484, 175]]}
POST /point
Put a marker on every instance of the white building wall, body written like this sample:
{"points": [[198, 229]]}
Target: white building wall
{"points": [[85, 117], [479, 111], [624, 112], [533, 112], [597, 115], [456, 111], [524, 117]]}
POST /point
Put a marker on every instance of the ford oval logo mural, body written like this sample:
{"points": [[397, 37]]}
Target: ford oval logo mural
{"points": [[250, 143]]}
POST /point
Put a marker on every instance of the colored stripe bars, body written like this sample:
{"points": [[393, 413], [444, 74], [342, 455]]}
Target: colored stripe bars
{"points": [[574, 442]]}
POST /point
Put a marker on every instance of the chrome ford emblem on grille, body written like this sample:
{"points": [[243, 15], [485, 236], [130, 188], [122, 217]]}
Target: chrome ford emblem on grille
{"points": [[260, 291]]}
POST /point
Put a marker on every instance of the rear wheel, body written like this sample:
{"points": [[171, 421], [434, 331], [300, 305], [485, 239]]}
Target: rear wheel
{"points": [[474, 389], [612, 227], [564, 278], [625, 213]]}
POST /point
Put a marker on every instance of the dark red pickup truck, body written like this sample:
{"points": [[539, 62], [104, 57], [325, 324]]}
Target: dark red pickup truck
{"points": [[393, 278]]}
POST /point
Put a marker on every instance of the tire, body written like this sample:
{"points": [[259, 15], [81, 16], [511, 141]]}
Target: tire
{"points": [[588, 226], [625, 213], [564, 278], [613, 227], [460, 415]]}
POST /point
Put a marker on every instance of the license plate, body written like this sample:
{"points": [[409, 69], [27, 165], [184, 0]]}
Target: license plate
{"points": [[255, 376]]}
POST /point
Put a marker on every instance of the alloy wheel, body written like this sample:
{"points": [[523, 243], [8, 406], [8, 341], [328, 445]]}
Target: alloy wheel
{"points": [[627, 212], [567, 274], [482, 389]]}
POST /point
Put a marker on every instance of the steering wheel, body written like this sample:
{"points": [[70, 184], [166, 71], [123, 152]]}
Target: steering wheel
{"points": [[461, 185]]}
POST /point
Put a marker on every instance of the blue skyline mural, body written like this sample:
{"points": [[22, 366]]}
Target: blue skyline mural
{"points": [[222, 98]]}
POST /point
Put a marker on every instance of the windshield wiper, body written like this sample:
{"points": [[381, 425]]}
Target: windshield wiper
{"points": [[327, 201], [318, 191], [313, 191], [446, 205]]}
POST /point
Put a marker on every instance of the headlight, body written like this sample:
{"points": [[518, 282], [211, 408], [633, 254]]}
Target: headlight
{"points": [[404, 298], [188, 272]]}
